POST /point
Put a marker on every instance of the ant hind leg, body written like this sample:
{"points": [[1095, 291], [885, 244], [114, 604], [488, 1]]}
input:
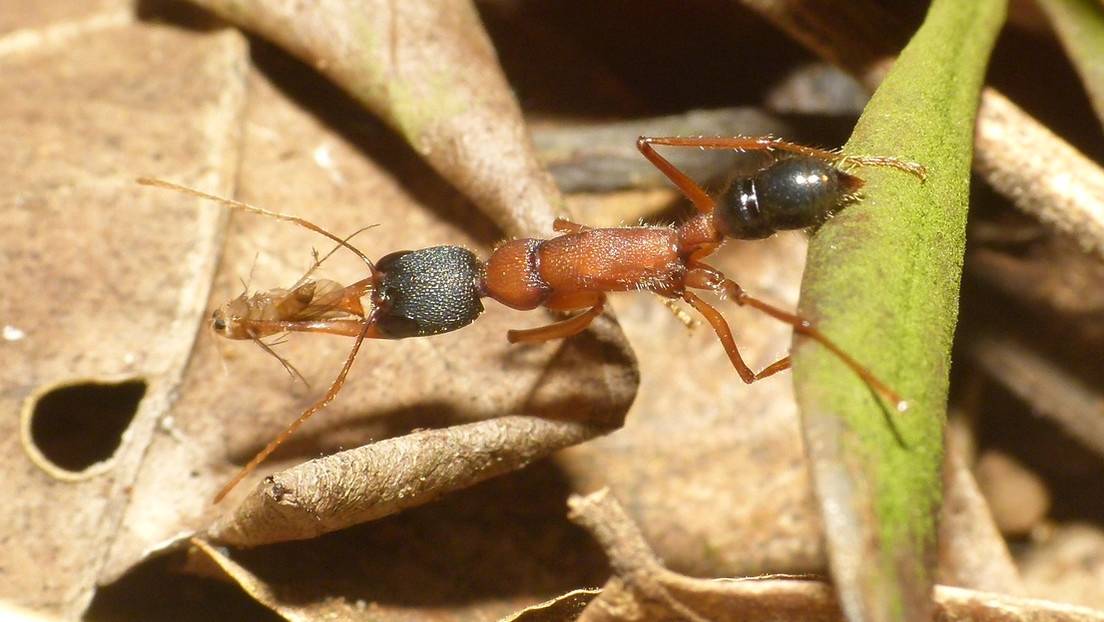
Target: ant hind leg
{"points": [[768, 143], [689, 188]]}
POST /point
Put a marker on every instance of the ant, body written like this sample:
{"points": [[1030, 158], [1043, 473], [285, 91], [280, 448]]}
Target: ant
{"points": [[418, 293]]}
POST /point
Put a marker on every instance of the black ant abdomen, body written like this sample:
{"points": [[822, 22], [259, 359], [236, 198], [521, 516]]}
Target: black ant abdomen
{"points": [[794, 192], [427, 292]]}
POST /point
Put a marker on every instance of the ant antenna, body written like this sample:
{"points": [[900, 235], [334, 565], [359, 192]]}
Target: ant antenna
{"points": [[306, 224], [307, 414]]}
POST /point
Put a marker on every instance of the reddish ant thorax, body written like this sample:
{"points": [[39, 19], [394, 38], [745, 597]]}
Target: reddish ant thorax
{"points": [[435, 290]]}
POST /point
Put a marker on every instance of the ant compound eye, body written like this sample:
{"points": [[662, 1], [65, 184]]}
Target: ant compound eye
{"points": [[218, 323]]}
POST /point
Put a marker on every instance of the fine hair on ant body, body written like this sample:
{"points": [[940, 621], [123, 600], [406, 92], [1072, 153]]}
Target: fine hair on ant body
{"points": [[435, 290]]}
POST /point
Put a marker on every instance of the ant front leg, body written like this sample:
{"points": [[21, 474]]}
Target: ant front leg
{"points": [[567, 328], [702, 276]]}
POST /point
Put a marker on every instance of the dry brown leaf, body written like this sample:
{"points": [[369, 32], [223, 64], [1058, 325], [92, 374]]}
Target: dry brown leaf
{"points": [[972, 553], [402, 60], [410, 384], [123, 274], [1068, 566], [487, 553], [112, 282], [643, 589], [712, 470]]}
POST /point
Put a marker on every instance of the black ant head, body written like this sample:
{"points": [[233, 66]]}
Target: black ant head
{"points": [[427, 292], [791, 193]]}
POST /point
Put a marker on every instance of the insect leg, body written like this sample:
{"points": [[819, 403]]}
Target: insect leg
{"points": [[690, 188], [302, 222], [566, 328], [706, 277], [768, 143], [724, 333]]}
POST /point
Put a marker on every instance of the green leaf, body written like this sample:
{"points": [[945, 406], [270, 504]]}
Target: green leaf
{"points": [[882, 281], [1080, 26]]}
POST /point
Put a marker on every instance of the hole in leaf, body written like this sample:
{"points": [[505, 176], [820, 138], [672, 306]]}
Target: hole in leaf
{"points": [[77, 425]]}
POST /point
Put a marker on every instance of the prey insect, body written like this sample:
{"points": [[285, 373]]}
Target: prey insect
{"points": [[435, 290]]}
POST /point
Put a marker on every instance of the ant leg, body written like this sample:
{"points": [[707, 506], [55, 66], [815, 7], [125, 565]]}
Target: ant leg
{"points": [[559, 330], [775, 367], [563, 225], [703, 276], [912, 168], [335, 387], [318, 261], [689, 188], [768, 143], [702, 252], [724, 333], [288, 367], [743, 143]]}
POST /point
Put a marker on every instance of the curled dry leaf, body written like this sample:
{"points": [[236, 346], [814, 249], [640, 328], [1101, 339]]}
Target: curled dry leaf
{"points": [[338, 491], [564, 607], [401, 60]]}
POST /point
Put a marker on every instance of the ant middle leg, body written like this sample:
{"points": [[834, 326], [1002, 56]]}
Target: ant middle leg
{"points": [[724, 333], [703, 276], [740, 143]]}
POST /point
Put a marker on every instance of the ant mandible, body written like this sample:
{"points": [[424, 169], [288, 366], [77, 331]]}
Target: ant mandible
{"points": [[436, 290]]}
